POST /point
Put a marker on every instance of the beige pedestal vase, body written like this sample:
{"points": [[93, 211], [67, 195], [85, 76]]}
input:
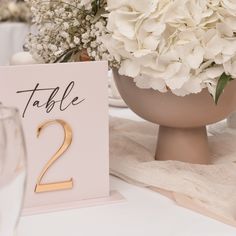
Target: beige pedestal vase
{"points": [[182, 120], [231, 120]]}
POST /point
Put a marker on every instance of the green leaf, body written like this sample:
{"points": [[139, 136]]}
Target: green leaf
{"points": [[96, 5], [222, 82], [98, 15], [66, 56]]}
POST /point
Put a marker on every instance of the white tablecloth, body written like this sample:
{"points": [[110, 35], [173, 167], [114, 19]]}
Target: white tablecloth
{"points": [[144, 213], [12, 37]]}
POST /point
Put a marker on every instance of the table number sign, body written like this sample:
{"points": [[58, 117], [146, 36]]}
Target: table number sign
{"points": [[65, 119]]}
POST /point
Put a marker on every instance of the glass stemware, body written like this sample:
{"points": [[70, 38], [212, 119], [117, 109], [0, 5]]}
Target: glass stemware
{"points": [[12, 170]]}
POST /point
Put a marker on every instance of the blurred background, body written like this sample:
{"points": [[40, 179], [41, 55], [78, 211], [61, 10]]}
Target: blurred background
{"points": [[15, 23]]}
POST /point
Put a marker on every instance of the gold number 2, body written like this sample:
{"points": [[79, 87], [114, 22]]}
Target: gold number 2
{"points": [[40, 187]]}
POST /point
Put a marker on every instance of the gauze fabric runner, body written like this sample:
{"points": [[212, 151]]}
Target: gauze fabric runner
{"points": [[207, 189]]}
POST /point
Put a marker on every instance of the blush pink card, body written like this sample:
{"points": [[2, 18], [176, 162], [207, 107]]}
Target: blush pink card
{"points": [[76, 95]]}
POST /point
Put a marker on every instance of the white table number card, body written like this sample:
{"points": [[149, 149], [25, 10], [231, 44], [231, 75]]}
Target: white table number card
{"points": [[65, 119]]}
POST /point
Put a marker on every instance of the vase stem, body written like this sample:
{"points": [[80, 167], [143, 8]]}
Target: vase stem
{"points": [[183, 144]]}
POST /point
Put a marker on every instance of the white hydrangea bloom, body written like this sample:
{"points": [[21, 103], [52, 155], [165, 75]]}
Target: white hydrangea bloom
{"points": [[181, 45]]}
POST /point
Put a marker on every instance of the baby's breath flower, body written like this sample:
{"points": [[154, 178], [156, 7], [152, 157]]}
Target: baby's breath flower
{"points": [[67, 27]]}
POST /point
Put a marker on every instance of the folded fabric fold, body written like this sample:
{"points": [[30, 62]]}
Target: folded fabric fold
{"points": [[207, 189]]}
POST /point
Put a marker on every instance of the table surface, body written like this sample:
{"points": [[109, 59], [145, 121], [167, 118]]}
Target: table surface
{"points": [[143, 213]]}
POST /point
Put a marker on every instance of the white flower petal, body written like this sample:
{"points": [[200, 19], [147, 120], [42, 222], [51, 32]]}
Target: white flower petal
{"points": [[129, 68]]}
